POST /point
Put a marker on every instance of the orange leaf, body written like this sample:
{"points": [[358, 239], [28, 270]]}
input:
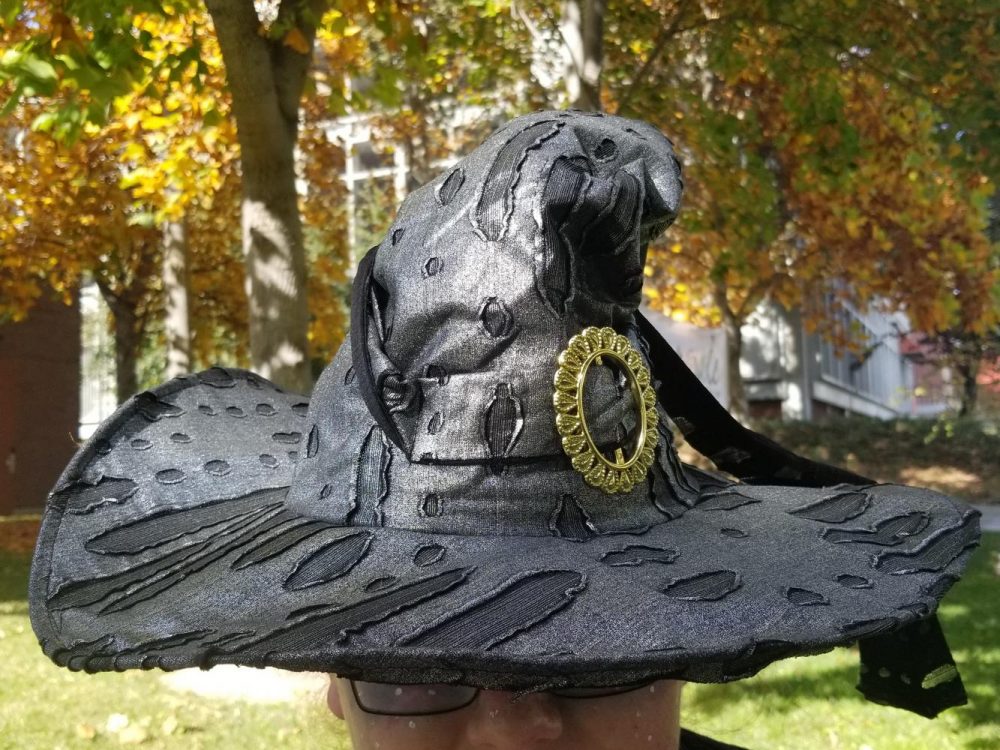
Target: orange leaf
{"points": [[297, 41], [63, 31]]}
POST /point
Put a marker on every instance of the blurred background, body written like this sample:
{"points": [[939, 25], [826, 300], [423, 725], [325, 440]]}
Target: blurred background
{"points": [[186, 184]]}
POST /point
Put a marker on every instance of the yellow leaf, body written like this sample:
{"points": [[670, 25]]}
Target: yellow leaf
{"points": [[86, 731], [297, 41], [133, 735], [169, 725], [134, 151]]}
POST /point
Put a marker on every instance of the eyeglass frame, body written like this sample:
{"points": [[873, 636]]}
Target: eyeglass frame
{"points": [[611, 691]]}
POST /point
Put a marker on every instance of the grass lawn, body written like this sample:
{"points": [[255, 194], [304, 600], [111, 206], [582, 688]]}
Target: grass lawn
{"points": [[801, 704], [811, 703]]}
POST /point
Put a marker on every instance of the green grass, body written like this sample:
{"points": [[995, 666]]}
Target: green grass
{"points": [[43, 706], [811, 702], [797, 704]]}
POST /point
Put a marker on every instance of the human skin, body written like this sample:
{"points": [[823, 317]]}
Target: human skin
{"points": [[645, 718]]}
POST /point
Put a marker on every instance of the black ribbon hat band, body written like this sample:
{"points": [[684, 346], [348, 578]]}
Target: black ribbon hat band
{"points": [[361, 291]]}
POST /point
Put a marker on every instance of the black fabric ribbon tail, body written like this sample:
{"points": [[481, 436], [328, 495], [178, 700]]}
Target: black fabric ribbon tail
{"points": [[918, 650]]}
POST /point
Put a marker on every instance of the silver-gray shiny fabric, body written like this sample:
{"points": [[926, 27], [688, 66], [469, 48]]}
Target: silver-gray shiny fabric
{"points": [[217, 519]]}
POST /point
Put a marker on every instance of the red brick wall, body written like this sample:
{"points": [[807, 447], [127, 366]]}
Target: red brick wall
{"points": [[822, 410], [39, 403], [765, 409]]}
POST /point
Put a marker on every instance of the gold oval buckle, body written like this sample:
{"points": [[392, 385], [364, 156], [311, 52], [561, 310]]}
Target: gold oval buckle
{"points": [[618, 474]]}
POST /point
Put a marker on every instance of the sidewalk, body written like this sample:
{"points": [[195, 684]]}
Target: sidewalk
{"points": [[991, 517], [228, 682]]}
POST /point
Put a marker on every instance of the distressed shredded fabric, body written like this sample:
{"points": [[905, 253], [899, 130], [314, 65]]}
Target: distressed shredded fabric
{"points": [[417, 520]]}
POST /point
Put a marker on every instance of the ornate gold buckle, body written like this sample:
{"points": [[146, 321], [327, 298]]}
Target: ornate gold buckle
{"points": [[619, 474]]}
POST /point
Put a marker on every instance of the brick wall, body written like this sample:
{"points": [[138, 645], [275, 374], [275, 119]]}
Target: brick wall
{"points": [[39, 403]]}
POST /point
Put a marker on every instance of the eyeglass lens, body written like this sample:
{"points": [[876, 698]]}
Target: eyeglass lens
{"points": [[421, 700], [411, 700]]}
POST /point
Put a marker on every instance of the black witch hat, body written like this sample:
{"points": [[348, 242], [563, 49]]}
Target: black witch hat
{"points": [[484, 488]]}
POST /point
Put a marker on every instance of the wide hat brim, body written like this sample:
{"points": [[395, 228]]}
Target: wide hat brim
{"points": [[169, 543]]}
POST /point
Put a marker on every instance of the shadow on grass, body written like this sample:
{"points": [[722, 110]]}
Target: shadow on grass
{"points": [[970, 616], [14, 571], [953, 455], [780, 693]]}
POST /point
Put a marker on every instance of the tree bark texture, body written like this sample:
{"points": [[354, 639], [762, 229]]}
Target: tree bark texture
{"points": [[128, 324], [176, 319], [968, 369], [582, 29], [733, 326], [266, 79]]}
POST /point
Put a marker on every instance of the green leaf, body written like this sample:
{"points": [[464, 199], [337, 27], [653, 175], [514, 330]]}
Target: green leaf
{"points": [[337, 103], [45, 121], [146, 219], [212, 118], [9, 10], [11, 104], [69, 62], [40, 70], [68, 124], [97, 113], [29, 70]]}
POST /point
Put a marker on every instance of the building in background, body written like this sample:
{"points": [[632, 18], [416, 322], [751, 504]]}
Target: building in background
{"points": [[792, 374], [702, 349], [39, 403], [378, 175], [98, 399]]}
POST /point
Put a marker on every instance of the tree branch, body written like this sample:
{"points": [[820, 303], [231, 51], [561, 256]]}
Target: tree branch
{"points": [[665, 35], [839, 45], [289, 65]]}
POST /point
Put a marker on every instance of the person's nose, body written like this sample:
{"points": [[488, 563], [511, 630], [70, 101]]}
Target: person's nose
{"points": [[499, 723]]}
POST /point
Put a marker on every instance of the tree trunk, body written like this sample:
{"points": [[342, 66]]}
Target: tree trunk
{"points": [[968, 369], [582, 28], [738, 405], [266, 79], [126, 353], [177, 321], [125, 320], [733, 326]]}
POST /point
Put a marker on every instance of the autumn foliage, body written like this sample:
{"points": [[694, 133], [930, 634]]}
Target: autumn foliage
{"points": [[93, 206], [835, 153]]}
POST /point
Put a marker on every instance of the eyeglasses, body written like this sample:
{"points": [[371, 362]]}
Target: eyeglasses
{"points": [[428, 699]]}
